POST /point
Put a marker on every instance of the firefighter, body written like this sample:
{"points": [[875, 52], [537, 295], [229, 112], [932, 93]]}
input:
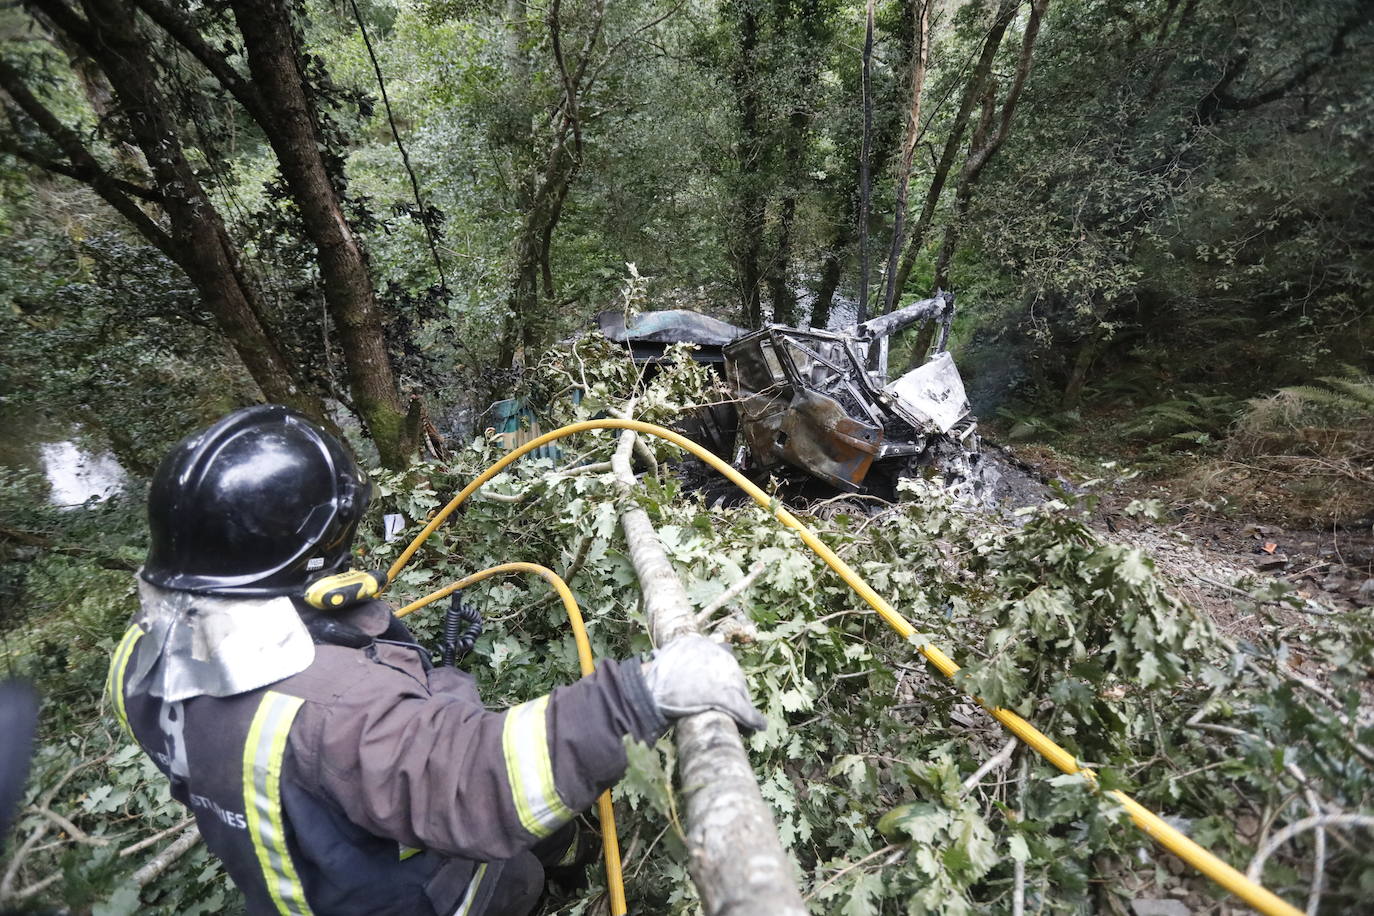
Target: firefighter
{"points": [[328, 763]]}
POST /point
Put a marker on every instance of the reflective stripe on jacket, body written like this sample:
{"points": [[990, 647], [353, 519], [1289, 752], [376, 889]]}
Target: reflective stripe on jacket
{"points": [[317, 792]]}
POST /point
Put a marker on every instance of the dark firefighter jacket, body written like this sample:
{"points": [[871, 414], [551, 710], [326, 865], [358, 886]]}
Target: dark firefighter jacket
{"points": [[373, 783]]}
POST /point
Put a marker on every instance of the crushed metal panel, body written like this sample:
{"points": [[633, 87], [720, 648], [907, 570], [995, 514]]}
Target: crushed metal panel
{"points": [[932, 393], [817, 435], [761, 417]]}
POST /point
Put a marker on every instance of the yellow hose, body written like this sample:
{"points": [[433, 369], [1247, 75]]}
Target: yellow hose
{"points": [[610, 842], [1214, 868]]}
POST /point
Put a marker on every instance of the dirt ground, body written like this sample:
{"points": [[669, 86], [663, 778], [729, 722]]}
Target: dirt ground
{"points": [[1209, 557]]}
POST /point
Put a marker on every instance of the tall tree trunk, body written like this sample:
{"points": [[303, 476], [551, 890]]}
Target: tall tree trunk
{"points": [[750, 154], [973, 90], [831, 268], [531, 314], [988, 138], [528, 320], [779, 282], [892, 291], [1088, 350], [864, 153], [293, 130], [198, 241], [784, 297]]}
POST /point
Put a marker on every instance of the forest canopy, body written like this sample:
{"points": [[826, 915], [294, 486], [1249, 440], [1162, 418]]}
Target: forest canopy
{"points": [[357, 203]]}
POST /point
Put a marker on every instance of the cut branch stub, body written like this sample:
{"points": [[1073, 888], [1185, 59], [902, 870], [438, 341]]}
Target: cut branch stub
{"points": [[736, 859]]}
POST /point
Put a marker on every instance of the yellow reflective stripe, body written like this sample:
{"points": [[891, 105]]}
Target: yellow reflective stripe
{"points": [[262, 759], [470, 897], [405, 852], [525, 742], [114, 683]]}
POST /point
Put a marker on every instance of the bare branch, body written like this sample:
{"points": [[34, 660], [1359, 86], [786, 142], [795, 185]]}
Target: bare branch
{"points": [[57, 14], [1308, 823], [81, 159], [67, 827], [731, 593], [155, 838], [77, 173], [187, 34], [164, 860], [1000, 759], [1362, 15], [615, 48], [570, 92], [18, 859]]}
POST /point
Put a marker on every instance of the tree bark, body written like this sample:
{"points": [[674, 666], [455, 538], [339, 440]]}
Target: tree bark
{"points": [[865, 150], [749, 153], [913, 137], [831, 268], [292, 128], [988, 139], [779, 284], [532, 274], [543, 193], [1088, 351], [735, 858]]}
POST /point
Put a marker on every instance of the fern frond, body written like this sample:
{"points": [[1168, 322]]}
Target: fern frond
{"points": [[1317, 396], [1359, 389]]}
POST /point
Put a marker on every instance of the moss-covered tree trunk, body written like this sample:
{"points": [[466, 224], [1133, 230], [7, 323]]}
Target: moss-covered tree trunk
{"points": [[292, 127]]}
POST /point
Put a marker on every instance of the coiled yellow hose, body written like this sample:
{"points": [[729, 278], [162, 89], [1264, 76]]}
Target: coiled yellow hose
{"points": [[1262, 899], [610, 842]]}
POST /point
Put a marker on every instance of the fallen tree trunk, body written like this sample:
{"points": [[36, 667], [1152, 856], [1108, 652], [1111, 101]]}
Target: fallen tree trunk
{"points": [[736, 860]]}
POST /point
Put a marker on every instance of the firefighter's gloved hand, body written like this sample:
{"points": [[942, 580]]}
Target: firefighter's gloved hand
{"points": [[692, 674]]}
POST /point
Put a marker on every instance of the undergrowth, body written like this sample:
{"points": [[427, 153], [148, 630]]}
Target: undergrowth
{"points": [[1305, 452], [1303, 455], [868, 757]]}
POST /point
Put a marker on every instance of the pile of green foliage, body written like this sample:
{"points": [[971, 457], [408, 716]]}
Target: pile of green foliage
{"points": [[866, 753]]}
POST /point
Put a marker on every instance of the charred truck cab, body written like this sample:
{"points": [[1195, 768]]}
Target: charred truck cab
{"points": [[819, 402]]}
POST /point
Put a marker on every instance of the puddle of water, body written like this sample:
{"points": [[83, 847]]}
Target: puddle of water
{"points": [[75, 468], [75, 475]]}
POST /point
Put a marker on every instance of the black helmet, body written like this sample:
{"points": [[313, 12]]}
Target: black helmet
{"points": [[257, 505]]}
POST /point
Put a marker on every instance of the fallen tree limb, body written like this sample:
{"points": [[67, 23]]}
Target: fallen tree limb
{"points": [[735, 858], [1000, 759], [155, 838], [164, 860], [731, 593], [67, 827]]}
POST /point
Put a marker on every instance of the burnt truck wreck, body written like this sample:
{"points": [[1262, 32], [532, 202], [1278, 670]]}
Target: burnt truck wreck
{"points": [[818, 403]]}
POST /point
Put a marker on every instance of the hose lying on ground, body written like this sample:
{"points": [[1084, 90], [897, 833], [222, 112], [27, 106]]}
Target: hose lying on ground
{"points": [[1176, 842]]}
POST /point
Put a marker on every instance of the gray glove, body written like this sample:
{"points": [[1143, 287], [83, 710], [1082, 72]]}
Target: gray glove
{"points": [[692, 674]]}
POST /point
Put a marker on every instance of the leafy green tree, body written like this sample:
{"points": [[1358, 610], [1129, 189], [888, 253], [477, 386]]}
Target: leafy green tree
{"points": [[282, 100], [1173, 202]]}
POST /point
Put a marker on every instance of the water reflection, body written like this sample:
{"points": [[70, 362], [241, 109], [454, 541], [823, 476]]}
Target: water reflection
{"points": [[74, 466], [75, 475]]}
